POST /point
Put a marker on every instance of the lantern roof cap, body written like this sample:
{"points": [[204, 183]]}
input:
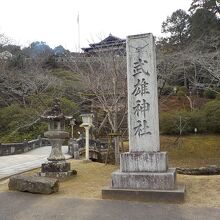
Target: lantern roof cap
{"points": [[55, 113]]}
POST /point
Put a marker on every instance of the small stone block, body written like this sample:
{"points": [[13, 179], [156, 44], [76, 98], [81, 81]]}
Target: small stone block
{"points": [[33, 184], [86, 161], [144, 162], [59, 175], [144, 180], [171, 196]]}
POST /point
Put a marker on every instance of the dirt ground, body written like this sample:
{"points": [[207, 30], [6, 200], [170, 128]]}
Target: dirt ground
{"points": [[92, 177]]}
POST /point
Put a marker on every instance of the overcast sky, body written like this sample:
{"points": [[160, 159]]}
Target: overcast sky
{"points": [[55, 21]]}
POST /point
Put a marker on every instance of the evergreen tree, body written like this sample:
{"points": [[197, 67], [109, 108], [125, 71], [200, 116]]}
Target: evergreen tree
{"points": [[210, 5], [177, 25], [203, 22]]}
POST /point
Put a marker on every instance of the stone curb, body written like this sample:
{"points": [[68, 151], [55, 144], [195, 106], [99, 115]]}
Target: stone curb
{"points": [[210, 170]]}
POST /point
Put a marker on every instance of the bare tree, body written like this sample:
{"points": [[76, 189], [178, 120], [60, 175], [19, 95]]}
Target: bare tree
{"points": [[19, 84], [203, 63], [197, 67], [103, 77], [27, 87], [4, 40]]}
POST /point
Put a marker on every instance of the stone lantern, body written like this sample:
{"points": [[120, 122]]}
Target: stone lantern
{"points": [[87, 124], [72, 124], [57, 165]]}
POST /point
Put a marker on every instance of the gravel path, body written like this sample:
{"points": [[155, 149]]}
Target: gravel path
{"points": [[39, 207]]}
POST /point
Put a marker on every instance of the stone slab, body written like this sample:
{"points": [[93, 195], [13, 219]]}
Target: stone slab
{"points": [[172, 196], [33, 184], [144, 180], [210, 170], [144, 162]]}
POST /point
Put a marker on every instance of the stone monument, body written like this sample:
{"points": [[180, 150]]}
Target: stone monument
{"points": [[57, 165], [144, 174]]}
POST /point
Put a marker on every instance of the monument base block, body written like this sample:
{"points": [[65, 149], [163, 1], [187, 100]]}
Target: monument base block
{"points": [[172, 196], [144, 162], [144, 180]]}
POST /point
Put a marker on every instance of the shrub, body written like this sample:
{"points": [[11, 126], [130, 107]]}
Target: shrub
{"points": [[14, 118], [180, 94], [197, 120], [217, 96], [209, 94], [166, 124], [170, 122], [212, 115], [183, 89], [68, 106], [28, 133], [167, 90]]}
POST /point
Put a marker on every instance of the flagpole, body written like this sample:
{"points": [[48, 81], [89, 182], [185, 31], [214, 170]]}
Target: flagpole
{"points": [[79, 49]]}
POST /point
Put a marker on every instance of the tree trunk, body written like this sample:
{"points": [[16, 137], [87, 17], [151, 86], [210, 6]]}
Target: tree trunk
{"points": [[117, 153], [116, 139]]}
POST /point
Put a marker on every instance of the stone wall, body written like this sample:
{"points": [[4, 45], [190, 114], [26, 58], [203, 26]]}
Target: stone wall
{"points": [[19, 148]]}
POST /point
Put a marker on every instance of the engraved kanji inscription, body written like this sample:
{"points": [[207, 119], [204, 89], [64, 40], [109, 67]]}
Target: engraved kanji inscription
{"points": [[139, 67], [142, 128], [141, 107], [141, 87]]}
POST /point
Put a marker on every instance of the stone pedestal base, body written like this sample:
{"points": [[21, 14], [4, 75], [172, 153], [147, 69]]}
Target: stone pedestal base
{"points": [[57, 170], [172, 196], [144, 176]]}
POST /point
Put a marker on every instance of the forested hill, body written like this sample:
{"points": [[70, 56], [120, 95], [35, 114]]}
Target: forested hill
{"points": [[188, 66]]}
